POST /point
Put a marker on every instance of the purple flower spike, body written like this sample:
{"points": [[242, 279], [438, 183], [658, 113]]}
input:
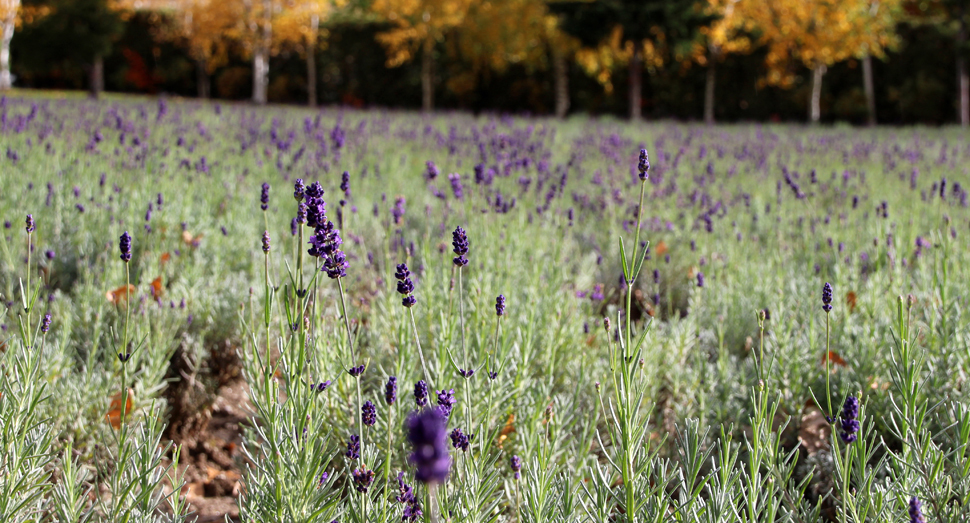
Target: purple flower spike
{"points": [[362, 479], [427, 434], [45, 324], [369, 413], [446, 401], [827, 297], [516, 464], [264, 197], [353, 447], [421, 393], [643, 165], [459, 240], [460, 440], [390, 390], [916, 511], [265, 241], [500, 305], [299, 189], [850, 425], [30, 223], [124, 245]]}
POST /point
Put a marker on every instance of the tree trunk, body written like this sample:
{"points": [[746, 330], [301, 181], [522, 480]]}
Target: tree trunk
{"points": [[260, 75], [636, 83], [96, 82], [6, 81], [202, 79], [869, 88], [261, 55], [815, 109], [561, 81], [311, 61], [427, 76], [962, 78], [709, 92]]}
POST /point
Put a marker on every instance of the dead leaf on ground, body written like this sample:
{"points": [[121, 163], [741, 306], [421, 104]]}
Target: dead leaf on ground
{"points": [[814, 430], [114, 411]]}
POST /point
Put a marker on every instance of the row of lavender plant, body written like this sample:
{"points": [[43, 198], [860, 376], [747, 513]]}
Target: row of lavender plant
{"points": [[572, 424]]}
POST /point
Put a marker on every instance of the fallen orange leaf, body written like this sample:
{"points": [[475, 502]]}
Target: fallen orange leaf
{"points": [[661, 248], [114, 411], [835, 359], [120, 294], [157, 287], [850, 298]]}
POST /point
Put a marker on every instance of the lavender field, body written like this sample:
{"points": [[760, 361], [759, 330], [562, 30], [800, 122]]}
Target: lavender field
{"points": [[279, 315]]}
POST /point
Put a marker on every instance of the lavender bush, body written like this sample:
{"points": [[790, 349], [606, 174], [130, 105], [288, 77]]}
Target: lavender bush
{"points": [[592, 322]]}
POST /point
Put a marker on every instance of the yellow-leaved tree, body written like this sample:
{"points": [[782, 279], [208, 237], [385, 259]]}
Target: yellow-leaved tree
{"points": [[497, 34], [298, 28], [817, 34], [417, 26], [728, 34]]}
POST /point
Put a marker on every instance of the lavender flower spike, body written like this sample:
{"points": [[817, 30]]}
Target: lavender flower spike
{"points": [[459, 240], [427, 434], [124, 245], [916, 511], [848, 421], [827, 297], [643, 165]]}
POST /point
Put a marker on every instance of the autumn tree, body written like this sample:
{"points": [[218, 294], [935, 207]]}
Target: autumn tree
{"points": [[631, 29], [817, 34], [727, 34], [417, 26], [499, 33], [299, 28]]}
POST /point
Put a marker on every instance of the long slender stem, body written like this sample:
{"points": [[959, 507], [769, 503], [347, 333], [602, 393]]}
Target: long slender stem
{"points": [[636, 251], [27, 301], [461, 322], [828, 353], [417, 341], [124, 347]]}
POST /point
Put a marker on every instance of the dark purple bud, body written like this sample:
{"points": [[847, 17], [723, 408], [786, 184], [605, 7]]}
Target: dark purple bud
{"points": [[848, 420], [368, 413], [459, 439], [516, 464], [643, 165], [265, 241], [264, 197], [827, 297], [421, 393], [459, 242], [356, 371], [49, 254], [30, 223], [353, 447], [124, 245], [362, 479], [45, 324], [390, 390], [700, 279], [500, 305], [299, 189]]}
